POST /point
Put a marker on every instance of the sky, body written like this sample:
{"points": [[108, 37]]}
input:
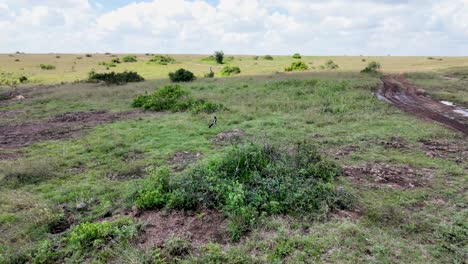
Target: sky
{"points": [[310, 27]]}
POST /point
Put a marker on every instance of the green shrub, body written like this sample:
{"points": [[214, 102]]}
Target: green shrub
{"points": [[89, 55], [173, 98], [297, 66], [210, 74], [115, 78], [296, 56], [230, 70], [107, 64], [372, 67], [161, 60], [8, 78], [115, 61], [267, 57], [329, 65], [47, 67], [252, 180], [129, 58], [181, 75], [219, 56]]}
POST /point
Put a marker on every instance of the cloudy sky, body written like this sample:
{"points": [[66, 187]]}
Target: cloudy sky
{"points": [[312, 27]]}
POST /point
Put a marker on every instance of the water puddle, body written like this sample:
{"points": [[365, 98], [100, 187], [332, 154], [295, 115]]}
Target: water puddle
{"points": [[457, 109]]}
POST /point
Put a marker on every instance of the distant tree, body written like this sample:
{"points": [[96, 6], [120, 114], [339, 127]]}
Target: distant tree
{"points": [[219, 56]]}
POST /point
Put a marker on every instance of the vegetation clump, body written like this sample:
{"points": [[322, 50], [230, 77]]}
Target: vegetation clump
{"points": [[129, 58], [230, 70], [8, 78], [174, 98], [219, 56], [329, 65], [115, 78], [296, 56], [181, 75], [267, 57], [47, 67], [372, 67], [209, 74], [249, 182], [161, 60], [297, 66]]}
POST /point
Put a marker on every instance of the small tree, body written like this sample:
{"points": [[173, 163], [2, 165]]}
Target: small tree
{"points": [[219, 56], [296, 56], [182, 75]]}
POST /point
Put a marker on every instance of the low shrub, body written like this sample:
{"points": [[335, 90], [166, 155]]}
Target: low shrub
{"points": [[267, 57], [115, 78], [251, 181], [115, 61], [230, 70], [161, 60], [372, 67], [296, 56], [89, 55], [255, 57], [181, 75], [219, 56], [129, 58], [47, 67], [107, 64], [8, 78], [329, 65], [79, 58], [297, 66], [173, 98], [210, 74]]}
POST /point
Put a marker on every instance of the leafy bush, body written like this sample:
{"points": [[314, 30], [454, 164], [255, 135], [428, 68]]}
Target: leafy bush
{"points": [[219, 56], [161, 60], [329, 65], [297, 66], [174, 98], [210, 74], [267, 57], [129, 58], [372, 67], [47, 67], [115, 61], [89, 55], [115, 78], [253, 180], [230, 70], [8, 78], [181, 75], [296, 56]]}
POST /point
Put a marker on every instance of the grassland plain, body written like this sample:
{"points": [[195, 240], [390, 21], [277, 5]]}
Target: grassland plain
{"points": [[410, 207]]}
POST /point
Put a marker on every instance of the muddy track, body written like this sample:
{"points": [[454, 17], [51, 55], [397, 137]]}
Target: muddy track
{"points": [[396, 90]]}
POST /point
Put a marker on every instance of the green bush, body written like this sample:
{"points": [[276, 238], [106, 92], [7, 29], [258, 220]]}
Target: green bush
{"points": [[129, 58], [173, 98], [181, 75], [47, 67], [161, 60], [372, 67], [230, 70], [219, 56], [253, 180], [115, 78], [88, 55], [297, 66], [267, 57], [115, 61], [8, 78], [296, 56], [329, 65], [107, 64]]}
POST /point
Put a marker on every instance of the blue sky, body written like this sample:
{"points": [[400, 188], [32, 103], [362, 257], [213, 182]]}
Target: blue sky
{"points": [[312, 27]]}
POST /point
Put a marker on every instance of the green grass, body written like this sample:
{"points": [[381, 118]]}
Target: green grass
{"points": [[332, 110]]}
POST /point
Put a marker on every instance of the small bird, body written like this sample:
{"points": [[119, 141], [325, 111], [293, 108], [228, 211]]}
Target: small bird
{"points": [[213, 122]]}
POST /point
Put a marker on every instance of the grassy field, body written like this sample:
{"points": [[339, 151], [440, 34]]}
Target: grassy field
{"points": [[406, 176]]}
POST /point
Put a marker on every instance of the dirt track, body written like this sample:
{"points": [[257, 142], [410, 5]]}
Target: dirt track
{"points": [[396, 90]]}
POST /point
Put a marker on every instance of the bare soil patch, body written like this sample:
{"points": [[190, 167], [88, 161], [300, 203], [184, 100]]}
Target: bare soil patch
{"points": [[229, 137], [180, 160], [10, 155], [406, 96], [347, 150], [199, 228], [58, 127], [450, 150], [395, 143], [381, 175]]}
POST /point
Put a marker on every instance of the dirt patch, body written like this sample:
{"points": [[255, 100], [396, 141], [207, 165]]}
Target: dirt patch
{"points": [[65, 223], [180, 160], [346, 214], [396, 90], [394, 143], [59, 127], [229, 137], [346, 150], [11, 113], [380, 175], [199, 228], [450, 150]]}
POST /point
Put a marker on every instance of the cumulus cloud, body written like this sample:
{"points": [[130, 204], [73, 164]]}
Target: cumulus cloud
{"points": [[398, 27]]}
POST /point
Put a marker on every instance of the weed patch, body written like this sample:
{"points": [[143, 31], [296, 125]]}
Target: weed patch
{"points": [[372, 67], [297, 66], [161, 60], [47, 67], [129, 58], [115, 78], [230, 70]]}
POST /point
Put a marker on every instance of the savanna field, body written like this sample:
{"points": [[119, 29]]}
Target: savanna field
{"points": [[109, 158]]}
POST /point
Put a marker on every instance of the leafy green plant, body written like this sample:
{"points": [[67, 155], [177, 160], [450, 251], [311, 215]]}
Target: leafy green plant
{"points": [[161, 60], [129, 58], [47, 67], [181, 75], [115, 78], [297, 66], [267, 57], [372, 67], [8, 78], [296, 56], [230, 70], [329, 65], [219, 56]]}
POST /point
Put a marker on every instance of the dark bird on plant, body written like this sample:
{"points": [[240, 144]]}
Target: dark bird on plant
{"points": [[213, 122]]}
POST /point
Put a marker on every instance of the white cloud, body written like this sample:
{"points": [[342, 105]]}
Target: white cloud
{"points": [[399, 27]]}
